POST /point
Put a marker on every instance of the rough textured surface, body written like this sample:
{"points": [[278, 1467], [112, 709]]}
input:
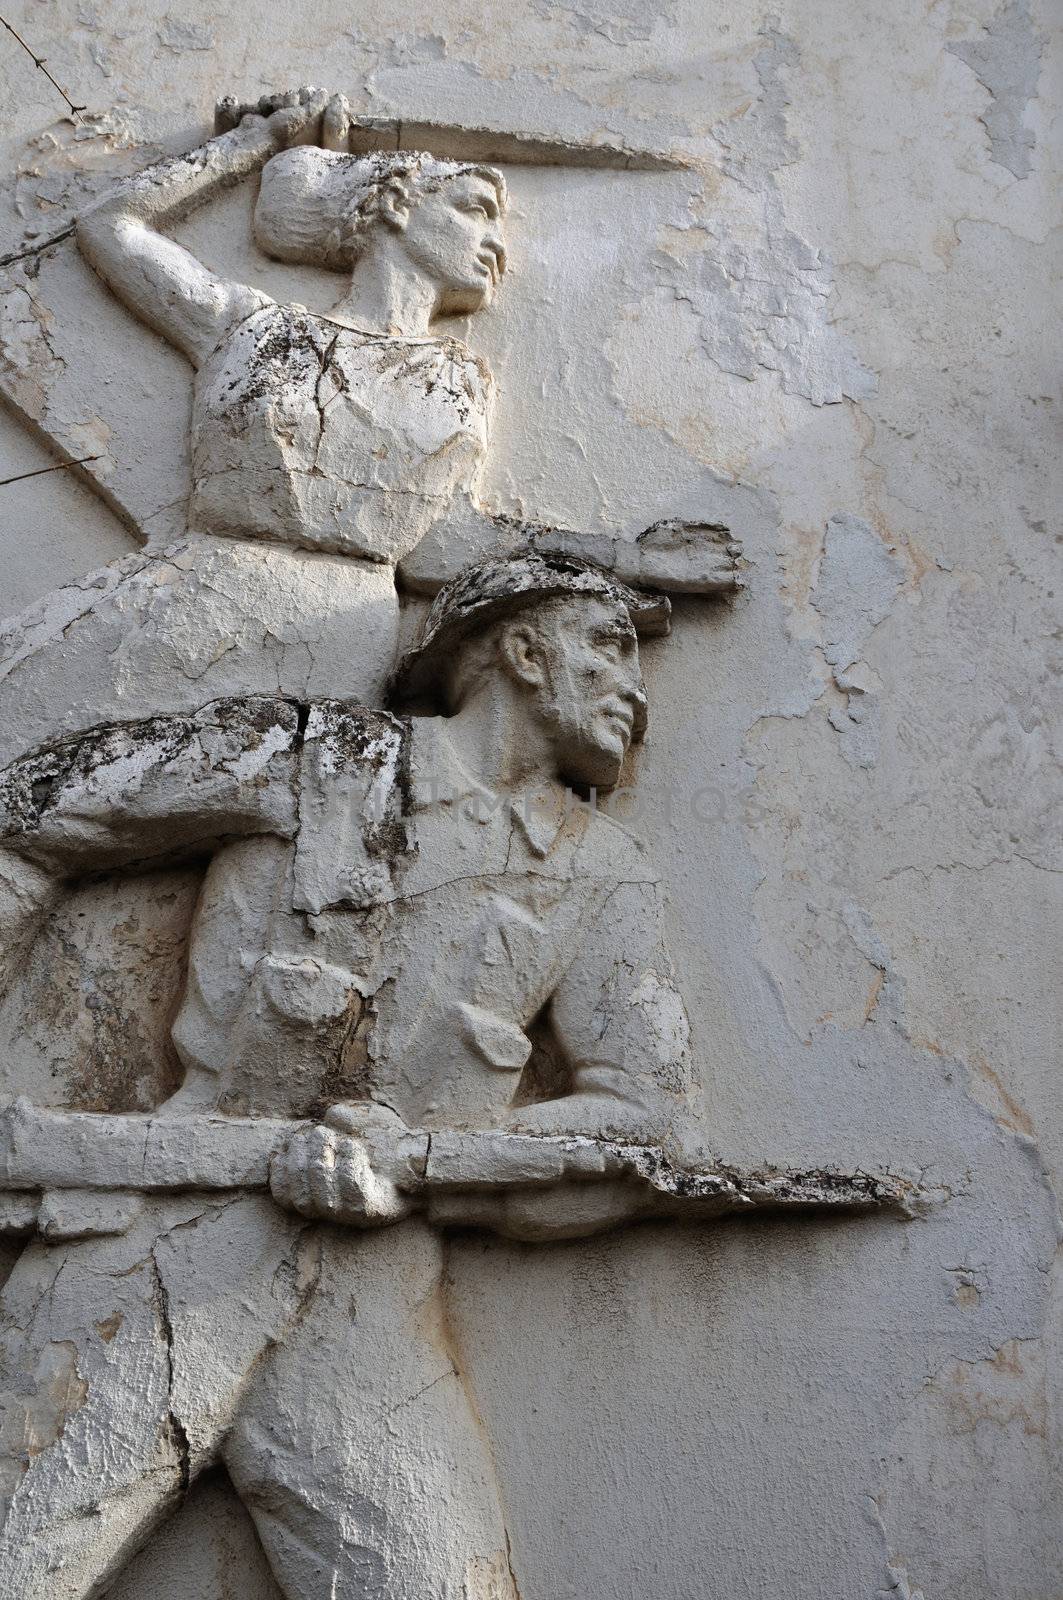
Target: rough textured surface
{"points": [[355, 1043], [833, 328]]}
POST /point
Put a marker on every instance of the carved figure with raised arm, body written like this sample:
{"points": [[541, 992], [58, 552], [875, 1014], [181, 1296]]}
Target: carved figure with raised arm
{"points": [[412, 938], [329, 452]]}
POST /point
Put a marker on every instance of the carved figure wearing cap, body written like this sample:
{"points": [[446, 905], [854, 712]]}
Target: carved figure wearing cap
{"points": [[408, 927]]}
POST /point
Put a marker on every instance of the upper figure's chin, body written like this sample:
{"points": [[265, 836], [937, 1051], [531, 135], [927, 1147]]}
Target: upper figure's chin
{"points": [[466, 300]]}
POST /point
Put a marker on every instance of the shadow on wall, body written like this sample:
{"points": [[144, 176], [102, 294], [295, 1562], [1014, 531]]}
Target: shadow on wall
{"points": [[208, 1551]]}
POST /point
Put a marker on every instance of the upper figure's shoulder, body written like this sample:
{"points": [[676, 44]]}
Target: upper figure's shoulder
{"points": [[456, 350], [466, 369], [442, 373], [252, 316], [268, 342]]}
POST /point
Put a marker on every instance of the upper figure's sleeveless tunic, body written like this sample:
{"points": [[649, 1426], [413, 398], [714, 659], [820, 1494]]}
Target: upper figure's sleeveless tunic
{"points": [[321, 455], [312, 433]]}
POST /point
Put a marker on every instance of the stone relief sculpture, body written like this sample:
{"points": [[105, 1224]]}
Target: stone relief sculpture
{"points": [[425, 987], [427, 1169], [330, 453], [427, 982], [318, 963]]}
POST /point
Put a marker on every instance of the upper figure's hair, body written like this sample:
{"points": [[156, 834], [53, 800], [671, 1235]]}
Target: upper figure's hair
{"points": [[317, 207]]}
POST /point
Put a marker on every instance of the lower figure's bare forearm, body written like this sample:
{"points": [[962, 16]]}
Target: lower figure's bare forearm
{"points": [[676, 557]]}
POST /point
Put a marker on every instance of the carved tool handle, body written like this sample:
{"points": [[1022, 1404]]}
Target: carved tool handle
{"points": [[462, 142], [527, 1185], [43, 1148]]}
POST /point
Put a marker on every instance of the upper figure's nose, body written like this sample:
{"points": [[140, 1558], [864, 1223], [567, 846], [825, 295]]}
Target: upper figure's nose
{"points": [[494, 240]]}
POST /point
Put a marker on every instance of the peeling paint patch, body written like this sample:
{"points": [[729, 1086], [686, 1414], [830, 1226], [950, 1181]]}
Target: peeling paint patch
{"points": [[489, 1578], [93, 438], [177, 34], [858, 580], [757, 143], [993, 1093], [66, 166], [887, 990], [984, 1425], [34, 1422], [899, 1585], [765, 305], [1007, 63], [109, 1326], [400, 49], [856, 586], [27, 361], [620, 22]]}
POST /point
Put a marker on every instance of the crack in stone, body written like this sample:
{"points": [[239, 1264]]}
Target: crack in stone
{"points": [[38, 248], [161, 1304]]}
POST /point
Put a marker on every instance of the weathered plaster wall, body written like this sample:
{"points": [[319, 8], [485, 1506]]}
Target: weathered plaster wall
{"points": [[836, 332]]}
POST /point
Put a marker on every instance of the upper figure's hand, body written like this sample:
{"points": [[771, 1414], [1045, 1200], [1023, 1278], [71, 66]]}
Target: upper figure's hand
{"points": [[686, 558], [329, 1175], [297, 116]]}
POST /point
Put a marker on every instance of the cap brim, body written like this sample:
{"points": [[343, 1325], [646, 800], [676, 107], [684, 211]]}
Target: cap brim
{"points": [[507, 588]]}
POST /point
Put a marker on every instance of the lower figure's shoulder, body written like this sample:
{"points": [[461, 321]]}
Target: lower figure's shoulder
{"points": [[611, 848]]}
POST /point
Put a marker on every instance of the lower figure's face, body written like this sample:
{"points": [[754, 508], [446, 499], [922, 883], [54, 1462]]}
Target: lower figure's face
{"points": [[593, 696], [454, 234]]}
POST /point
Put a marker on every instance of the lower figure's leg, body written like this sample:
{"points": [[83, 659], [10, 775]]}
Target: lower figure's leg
{"points": [[120, 1363], [90, 1458], [359, 1452]]}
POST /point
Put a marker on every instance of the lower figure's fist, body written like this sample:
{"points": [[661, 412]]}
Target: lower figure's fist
{"points": [[324, 1174]]}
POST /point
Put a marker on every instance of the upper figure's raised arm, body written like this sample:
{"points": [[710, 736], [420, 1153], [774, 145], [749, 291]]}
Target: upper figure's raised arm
{"points": [[161, 282]]}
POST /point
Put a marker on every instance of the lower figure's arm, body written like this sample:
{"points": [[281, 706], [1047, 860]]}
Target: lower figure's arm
{"points": [[676, 557]]}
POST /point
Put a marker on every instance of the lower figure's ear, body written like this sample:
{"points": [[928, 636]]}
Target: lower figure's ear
{"points": [[520, 651]]}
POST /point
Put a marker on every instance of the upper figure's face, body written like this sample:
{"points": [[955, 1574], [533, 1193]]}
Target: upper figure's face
{"points": [[454, 234], [591, 692]]}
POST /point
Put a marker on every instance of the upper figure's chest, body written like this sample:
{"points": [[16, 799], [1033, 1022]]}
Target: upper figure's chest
{"points": [[304, 394]]}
